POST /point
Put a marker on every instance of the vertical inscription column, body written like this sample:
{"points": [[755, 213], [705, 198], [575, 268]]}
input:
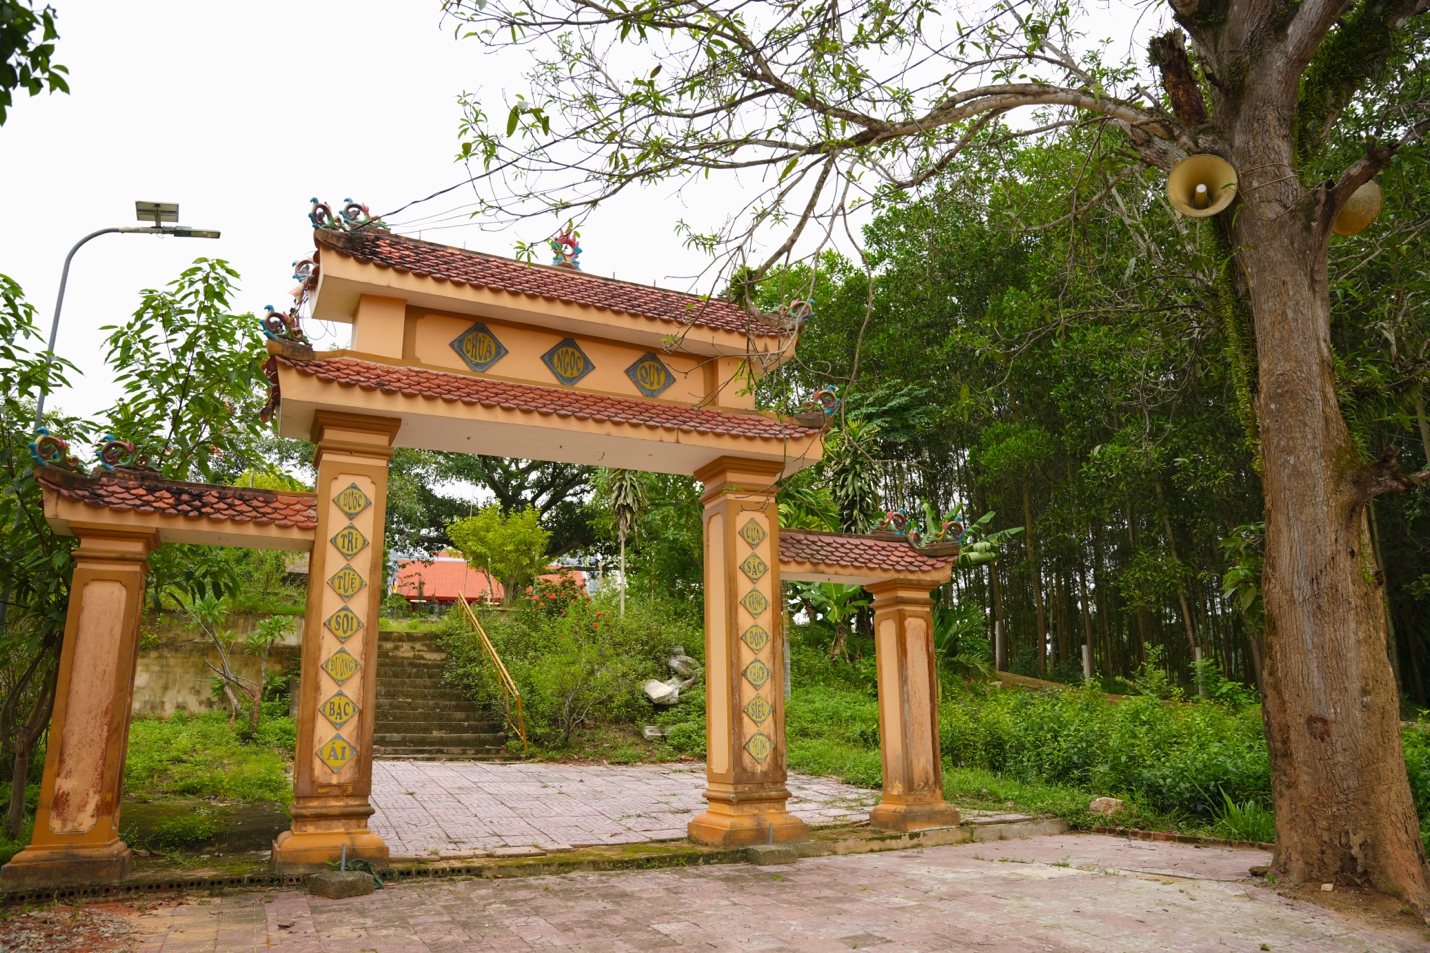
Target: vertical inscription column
{"points": [[745, 760], [76, 839], [332, 768], [908, 710]]}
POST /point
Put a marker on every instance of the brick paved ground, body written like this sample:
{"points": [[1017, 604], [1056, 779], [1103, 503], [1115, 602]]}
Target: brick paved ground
{"points": [[454, 807], [1006, 896]]}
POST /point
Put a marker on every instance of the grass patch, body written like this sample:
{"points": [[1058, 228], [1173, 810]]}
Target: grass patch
{"points": [[188, 756]]}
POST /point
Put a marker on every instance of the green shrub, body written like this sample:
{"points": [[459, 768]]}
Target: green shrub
{"points": [[1178, 758], [1246, 821], [578, 668], [9, 848]]}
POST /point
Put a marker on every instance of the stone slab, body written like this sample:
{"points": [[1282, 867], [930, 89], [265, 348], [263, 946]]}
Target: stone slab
{"points": [[765, 855], [341, 884], [1063, 893]]}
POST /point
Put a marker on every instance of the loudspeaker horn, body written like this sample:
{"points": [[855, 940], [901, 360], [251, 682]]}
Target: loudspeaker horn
{"points": [[1360, 210], [1200, 186]]}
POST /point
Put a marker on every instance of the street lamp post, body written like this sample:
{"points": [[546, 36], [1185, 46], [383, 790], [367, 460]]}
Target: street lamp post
{"points": [[157, 212]]}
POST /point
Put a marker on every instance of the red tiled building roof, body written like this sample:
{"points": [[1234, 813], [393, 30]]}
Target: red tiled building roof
{"points": [[549, 401], [443, 578], [460, 266], [884, 554], [146, 493]]}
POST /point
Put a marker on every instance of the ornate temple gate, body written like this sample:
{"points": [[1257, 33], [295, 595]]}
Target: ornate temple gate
{"points": [[459, 351]]}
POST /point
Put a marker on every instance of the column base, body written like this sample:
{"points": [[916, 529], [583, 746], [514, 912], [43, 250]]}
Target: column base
{"points": [[66, 866], [312, 852], [914, 817], [774, 825]]}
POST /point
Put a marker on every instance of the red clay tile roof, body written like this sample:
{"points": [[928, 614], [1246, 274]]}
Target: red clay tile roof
{"points": [[458, 265], [145, 493], [549, 401], [443, 578], [859, 552]]}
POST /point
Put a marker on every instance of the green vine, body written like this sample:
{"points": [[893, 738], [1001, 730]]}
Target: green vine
{"points": [[1234, 313], [1352, 54]]}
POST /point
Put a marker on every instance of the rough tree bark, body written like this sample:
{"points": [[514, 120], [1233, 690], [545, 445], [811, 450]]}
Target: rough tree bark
{"points": [[1344, 813], [1330, 698]]}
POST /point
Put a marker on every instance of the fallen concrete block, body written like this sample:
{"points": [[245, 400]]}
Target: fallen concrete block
{"points": [[764, 855], [337, 884]]}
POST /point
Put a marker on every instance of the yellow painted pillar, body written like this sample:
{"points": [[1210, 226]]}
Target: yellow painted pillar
{"points": [[76, 839], [332, 767], [908, 710], [744, 687]]}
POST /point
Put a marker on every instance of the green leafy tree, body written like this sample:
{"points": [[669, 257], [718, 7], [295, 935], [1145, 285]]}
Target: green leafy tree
{"points": [[191, 377], [34, 563], [512, 546], [814, 96], [27, 49]]}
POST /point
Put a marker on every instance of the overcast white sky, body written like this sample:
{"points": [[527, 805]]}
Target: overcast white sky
{"points": [[243, 112]]}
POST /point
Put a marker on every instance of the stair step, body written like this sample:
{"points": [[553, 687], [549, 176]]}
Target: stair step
{"points": [[395, 638], [412, 684], [439, 739], [443, 696], [407, 670], [423, 721], [430, 754]]}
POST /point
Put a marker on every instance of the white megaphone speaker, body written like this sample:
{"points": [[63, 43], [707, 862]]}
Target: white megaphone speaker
{"points": [[1200, 186], [1360, 210]]}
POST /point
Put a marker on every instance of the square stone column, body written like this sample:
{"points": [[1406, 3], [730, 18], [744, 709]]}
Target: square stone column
{"points": [[908, 710], [744, 687], [332, 767], [76, 839]]}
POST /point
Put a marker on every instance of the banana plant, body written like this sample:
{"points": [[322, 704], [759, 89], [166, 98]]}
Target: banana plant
{"points": [[837, 604], [980, 547]]}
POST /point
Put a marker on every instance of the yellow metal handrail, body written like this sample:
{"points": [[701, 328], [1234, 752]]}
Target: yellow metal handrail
{"points": [[508, 686]]}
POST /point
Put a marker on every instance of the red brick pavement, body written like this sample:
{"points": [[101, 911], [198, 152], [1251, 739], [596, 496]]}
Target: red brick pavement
{"points": [[456, 808]]}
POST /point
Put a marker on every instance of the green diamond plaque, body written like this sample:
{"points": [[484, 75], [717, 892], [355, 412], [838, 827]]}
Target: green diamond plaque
{"points": [[753, 533], [352, 501], [344, 624], [758, 673], [756, 638], [758, 709], [350, 541], [760, 746], [341, 666], [755, 601], [346, 582]]}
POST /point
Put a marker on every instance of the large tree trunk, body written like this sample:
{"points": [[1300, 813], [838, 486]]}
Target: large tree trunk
{"points": [[1343, 808]]}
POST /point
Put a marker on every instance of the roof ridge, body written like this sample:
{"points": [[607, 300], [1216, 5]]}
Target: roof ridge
{"points": [[575, 272], [482, 269], [47, 473]]}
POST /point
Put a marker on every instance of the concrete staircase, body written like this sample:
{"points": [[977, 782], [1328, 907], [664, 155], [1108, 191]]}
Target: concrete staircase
{"points": [[421, 716]]}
